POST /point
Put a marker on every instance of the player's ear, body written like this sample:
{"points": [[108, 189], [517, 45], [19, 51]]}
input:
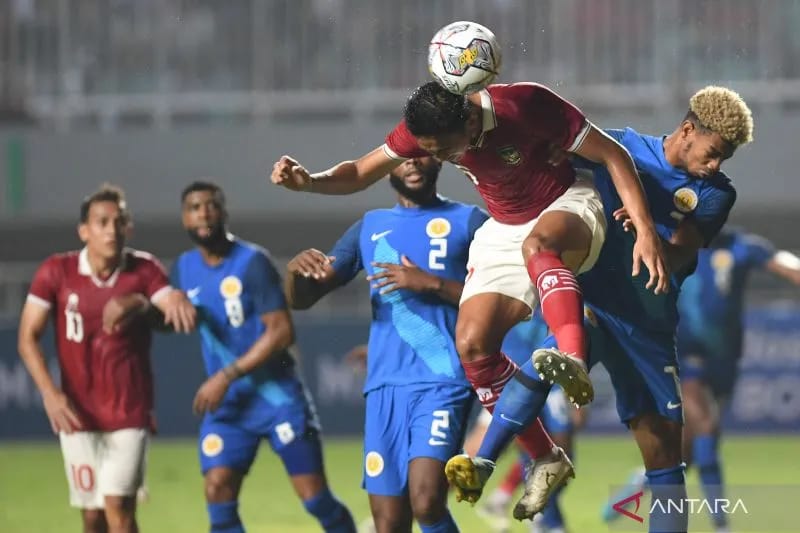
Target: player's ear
{"points": [[687, 128], [83, 232]]}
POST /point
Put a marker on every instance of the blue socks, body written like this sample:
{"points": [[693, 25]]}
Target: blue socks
{"points": [[445, 525], [331, 514], [224, 517], [519, 405], [669, 509], [704, 452]]}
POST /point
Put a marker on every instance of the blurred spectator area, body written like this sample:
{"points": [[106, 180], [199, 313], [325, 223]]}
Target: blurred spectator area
{"points": [[102, 59]]}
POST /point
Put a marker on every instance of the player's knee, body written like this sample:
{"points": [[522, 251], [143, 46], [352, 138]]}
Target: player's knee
{"points": [[120, 513], [471, 341], [659, 441], [428, 506], [538, 242], [94, 521], [220, 489]]}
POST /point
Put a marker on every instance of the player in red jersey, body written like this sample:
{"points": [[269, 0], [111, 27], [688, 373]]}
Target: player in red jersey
{"points": [[547, 225], [99, 298]]}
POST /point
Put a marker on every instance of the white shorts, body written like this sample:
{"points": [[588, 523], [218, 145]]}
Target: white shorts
{"points": [[100, 464], [495, 256]]}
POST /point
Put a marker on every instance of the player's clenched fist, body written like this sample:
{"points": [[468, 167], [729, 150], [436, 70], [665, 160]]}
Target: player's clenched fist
{"points": [[288, 173]]}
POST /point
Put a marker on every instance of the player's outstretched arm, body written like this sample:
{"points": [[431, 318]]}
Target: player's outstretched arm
{"points": [[601, 148], [59, 411], [346, 177], [178, 311], [310, 276], [409, 276], [785, 265]]}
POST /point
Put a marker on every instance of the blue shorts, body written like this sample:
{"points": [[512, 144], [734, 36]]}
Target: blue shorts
{"points": [[407, 422], [230, 436], [642, 365], [711, 357]]}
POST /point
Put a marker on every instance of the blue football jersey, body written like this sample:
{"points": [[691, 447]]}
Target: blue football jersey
{"points": [[714, 295], [411, 337], [673, 195], [230, 298]]}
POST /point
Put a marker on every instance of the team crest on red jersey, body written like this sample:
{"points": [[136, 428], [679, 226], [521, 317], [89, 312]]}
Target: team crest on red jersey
{"points": [[510, 155]]}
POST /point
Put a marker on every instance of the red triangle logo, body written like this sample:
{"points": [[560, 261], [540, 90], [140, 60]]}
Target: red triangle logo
{"points": [[620, 506]]}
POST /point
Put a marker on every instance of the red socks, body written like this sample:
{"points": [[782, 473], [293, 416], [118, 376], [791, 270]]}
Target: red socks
{"points": [[512, 479], [488, 376], [561, 301]]}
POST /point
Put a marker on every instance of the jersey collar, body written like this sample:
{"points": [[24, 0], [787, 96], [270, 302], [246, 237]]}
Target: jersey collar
{"points": [[85, 269], [489, 118]]}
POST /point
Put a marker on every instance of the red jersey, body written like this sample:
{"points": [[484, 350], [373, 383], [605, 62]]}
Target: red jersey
{"points": [[509, 164], [106, 376]]}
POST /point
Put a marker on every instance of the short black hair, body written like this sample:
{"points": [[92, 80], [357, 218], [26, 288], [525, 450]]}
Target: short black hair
{"points": [[692, 117], [197, 186], [432, 110], [105, 193]]}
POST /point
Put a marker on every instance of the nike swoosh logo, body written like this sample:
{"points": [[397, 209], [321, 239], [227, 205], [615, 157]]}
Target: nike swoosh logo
{"points": [[504, 417], [671, 405], [192, 293], [434, 442], [376, 236]]}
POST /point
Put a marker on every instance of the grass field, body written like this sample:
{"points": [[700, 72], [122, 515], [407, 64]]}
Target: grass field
{"points": [[33, 493]]}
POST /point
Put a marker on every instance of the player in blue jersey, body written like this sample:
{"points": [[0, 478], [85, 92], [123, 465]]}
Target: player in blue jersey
{"points": [[630, 330], [417, 397], [709, 343], [253, 392]]}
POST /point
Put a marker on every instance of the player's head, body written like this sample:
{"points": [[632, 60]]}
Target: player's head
{"points": [[415, 179], [717, 123], [203, 213], [443, 123], [104, 221]]}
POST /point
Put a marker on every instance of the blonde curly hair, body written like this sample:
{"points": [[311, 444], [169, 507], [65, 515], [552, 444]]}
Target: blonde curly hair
{"points": [[723, 111]]}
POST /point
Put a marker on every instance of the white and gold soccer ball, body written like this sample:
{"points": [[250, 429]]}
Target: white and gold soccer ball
{"points": [[464, 57]]}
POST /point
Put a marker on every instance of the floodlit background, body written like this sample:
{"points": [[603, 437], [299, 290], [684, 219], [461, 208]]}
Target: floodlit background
{"points": [[151, 94]]}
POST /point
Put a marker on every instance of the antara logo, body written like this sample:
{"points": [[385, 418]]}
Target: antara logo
{"points": [[680, 506]]}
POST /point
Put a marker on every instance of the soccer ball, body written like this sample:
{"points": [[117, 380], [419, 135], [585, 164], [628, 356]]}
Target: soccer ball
{"points": [[464, 57]]}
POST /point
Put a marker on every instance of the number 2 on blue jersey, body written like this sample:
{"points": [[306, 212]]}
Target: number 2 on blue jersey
{"points": [[438, 251]]}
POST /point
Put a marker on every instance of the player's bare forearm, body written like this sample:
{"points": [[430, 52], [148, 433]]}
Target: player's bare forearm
{"points": [[341, 179], [302, 293], [31, 328], [278, 337]]}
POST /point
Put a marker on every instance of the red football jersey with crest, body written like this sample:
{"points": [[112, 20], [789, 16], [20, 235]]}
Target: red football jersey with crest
{"points": [[107, 377], [509, 163]]}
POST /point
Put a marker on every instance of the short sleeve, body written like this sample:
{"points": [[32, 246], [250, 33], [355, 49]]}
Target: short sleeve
{"points": [[401, 145], [615, 134], [45, 283], [758, 250], [263, 283], [712, 211], [551, 117], [477, 217], [347, 253], [156, 283]]}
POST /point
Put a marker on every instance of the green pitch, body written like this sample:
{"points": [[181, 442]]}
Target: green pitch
{"points": [[33, 492]]}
